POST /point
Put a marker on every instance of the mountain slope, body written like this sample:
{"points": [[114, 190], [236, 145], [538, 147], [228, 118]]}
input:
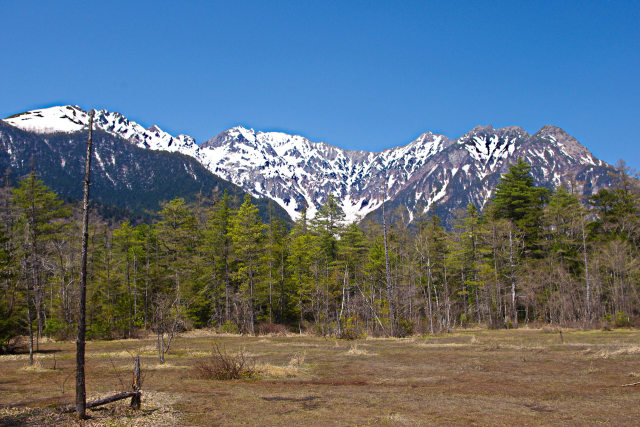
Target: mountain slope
{"points": [[123, 173], [467, 171], [432, 173], [72, 119], [296, 172]]}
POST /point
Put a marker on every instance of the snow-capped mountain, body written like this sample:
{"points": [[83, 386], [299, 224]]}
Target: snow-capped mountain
{"points": [[468, 170], [129, 180], [297, 172], [432, 172], [72, 119]]}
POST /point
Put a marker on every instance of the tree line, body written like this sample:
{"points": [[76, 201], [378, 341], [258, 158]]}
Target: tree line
{"points": [[532, 256]]}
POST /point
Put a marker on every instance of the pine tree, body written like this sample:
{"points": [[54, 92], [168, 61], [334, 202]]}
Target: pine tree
{"points": [[350, 256], [300, 261], [217, 248], [37, 208], [247, 234], [516, 198], [178, 235], [276, 256]]}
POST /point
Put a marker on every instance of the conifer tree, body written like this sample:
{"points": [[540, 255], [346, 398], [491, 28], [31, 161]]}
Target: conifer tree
{"points": [[37, 208], [247, 234], [300, 261], [518, 199], [218, 246]]}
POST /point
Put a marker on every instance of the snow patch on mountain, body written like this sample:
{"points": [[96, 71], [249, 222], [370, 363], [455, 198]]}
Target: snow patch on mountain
{"points": [[298, 174], [73, 119]]}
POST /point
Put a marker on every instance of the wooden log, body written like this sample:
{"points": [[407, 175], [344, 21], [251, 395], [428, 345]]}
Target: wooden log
{"points": [[104, 400], [631, 385]]}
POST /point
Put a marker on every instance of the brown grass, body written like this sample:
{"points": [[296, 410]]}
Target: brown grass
{"points": [[221, 365], [525, 377]]}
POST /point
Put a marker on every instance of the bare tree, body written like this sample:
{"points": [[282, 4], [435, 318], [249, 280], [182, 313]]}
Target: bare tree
{"points": [[167, 321], [81, 394]]}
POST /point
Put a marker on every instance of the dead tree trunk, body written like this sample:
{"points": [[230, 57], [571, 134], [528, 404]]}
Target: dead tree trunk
{"points": [[104, 400], [137, 383], [135, 394], [81, 394]]}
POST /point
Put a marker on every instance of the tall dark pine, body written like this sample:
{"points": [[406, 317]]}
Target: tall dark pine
{"points": [[81, 394]]}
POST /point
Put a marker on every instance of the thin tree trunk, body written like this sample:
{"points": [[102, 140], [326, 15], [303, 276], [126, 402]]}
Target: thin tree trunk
{"points": [[30, 322], [446, 295], [146, 292], [251, 312], [344, 286], [81, 396], [513, 282], [429, 293], [130, 296], [586, 274], [392, 319], [34, 258]]}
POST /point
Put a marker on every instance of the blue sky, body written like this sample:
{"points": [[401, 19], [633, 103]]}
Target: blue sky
{"points": [[358, 74]]}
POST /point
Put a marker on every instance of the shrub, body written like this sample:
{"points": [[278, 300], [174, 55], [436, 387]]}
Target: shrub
{"points": [[228, 327], [58, 329], [271, 329], [463, 320], [509, 324], [351, 331], [224, 366], [622, 320], [404, 328], [98, 330]]}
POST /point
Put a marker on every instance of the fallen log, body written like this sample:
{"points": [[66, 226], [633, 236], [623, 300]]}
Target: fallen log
{"points": [[113, 398], [630, 385]]}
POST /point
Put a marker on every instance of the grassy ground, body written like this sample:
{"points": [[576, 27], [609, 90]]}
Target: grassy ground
{"points": [[526, 376]]}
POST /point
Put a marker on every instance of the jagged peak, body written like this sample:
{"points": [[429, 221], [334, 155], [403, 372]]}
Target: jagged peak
{"points": [[480, 128], [516, 129], [489, 129], [551, 130]]}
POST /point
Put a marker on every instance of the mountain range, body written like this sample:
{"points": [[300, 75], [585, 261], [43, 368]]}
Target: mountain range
{"points": [[430, 174]]}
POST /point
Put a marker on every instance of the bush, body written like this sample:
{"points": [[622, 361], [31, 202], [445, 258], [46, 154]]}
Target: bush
{"points": [[228, 327], [351, 331], [463, 320], [224, 366], [404, 328], [10, 328], [98, 330], [58, 329], [622, 320], [271, 329]]}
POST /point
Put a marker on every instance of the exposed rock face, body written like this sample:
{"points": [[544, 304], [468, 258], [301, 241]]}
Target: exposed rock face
{"points": [[432, 173]]}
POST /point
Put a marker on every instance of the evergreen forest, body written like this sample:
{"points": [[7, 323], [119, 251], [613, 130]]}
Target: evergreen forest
{"points": [[532, 256]]}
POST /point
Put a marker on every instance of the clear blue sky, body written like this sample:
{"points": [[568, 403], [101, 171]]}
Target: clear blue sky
{"points": [[358, 74]]}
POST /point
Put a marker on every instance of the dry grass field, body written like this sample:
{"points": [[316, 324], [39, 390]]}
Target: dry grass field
{"points": [[477, 377]]}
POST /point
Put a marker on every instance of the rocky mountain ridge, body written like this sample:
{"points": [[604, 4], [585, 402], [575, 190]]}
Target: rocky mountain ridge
{"points": [[431, 173]]}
